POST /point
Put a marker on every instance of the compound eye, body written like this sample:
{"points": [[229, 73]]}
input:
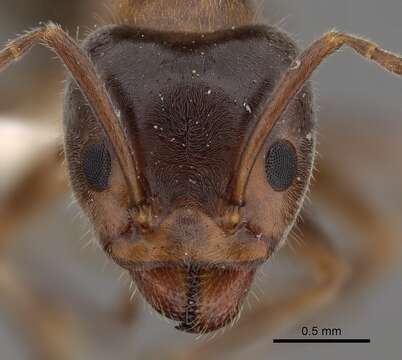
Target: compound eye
{"points": [[281, 165], [97, 166]]}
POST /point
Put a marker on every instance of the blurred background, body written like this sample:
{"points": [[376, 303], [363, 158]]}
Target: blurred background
{"points": [[50, 254]]}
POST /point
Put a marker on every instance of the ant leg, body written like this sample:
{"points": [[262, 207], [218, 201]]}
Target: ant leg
{"points": [[329, 273], [48, 325], [50, 328], [43, 182], [380, 242]]}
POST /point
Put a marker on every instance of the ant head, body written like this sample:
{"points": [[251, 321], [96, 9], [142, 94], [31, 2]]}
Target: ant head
{"points": [[188, 104]]}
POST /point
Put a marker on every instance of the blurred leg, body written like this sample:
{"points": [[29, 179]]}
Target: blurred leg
{"points": [[45, 181], [51, 330], [51, 327], [47, 325], [380, 240]]}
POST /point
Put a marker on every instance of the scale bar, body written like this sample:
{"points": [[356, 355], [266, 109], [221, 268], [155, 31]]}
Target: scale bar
{"points": [[322, 341]]}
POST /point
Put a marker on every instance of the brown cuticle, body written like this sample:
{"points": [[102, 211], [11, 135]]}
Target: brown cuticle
{"points": [[177, 134]]}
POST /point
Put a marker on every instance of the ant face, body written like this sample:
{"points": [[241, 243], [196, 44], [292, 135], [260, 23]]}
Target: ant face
{"points": [[187, 104]]}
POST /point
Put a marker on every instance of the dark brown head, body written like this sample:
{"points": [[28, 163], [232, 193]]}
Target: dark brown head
{"points": [[188, 104]]}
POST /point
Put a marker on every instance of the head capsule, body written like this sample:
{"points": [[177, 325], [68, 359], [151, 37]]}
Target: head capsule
{"points": [[187, 103]]}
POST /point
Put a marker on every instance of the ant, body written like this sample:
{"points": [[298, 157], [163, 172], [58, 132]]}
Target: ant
{"points": [[190, 137]]}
